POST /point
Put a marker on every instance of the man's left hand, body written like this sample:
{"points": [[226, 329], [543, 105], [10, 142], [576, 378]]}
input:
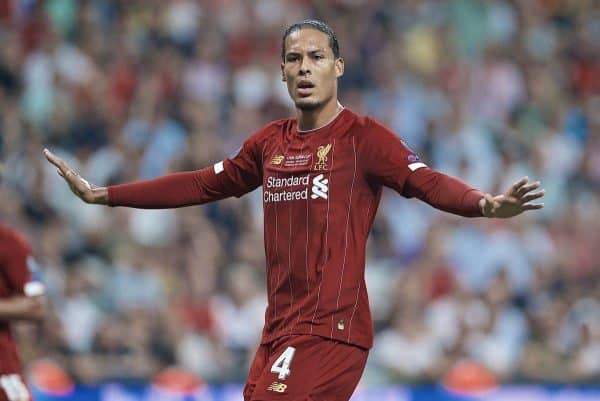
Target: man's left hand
{"points": [[514, 201]]}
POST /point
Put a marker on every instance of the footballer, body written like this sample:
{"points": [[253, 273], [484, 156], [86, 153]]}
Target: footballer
{"points": [[322, 175]]}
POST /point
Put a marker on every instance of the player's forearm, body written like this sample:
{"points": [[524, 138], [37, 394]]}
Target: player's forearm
{"points": [[23, 308], [169, 191], [444, 192]]}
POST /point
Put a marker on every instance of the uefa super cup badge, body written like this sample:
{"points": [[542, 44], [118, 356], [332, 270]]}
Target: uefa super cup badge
{"points": [[322, 152]]}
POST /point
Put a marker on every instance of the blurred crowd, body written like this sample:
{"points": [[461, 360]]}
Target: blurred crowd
{"points": [[488, 91]]}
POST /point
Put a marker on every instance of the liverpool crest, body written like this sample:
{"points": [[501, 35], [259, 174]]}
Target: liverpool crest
{"points": [[322, 152]]}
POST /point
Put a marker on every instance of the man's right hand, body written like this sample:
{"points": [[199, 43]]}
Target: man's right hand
{"points": [[79, 186]]}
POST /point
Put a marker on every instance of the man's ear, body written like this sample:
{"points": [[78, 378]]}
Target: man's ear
{"points": [[339, 67], [282, 73]]}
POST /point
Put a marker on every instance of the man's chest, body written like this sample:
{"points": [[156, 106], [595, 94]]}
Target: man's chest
{"points": [[310, 171]]}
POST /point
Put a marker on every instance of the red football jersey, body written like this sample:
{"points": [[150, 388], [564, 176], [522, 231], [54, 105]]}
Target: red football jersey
{"points": [[16, 279], [321, 190]]}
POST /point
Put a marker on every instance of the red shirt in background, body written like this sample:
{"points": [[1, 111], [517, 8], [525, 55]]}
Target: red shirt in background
{"points": [[17, 278]]}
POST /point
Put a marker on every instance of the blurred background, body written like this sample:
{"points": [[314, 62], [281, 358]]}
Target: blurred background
{"points": [[489, 91]]}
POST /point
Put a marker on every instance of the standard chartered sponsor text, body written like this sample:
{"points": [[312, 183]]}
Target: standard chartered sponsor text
{"points": [[286, 195], [293, 180]]}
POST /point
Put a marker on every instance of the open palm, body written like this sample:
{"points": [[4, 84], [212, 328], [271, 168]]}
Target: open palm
{"points": [[87, 192], [514, 201]]}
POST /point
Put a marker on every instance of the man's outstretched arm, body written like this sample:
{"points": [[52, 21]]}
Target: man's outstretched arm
{"points": [[232, 177], [452, 195], [389, 162], [443, 192]]}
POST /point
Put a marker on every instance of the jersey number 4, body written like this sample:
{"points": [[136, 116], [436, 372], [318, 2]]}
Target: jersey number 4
{"points": [[282, 364]]}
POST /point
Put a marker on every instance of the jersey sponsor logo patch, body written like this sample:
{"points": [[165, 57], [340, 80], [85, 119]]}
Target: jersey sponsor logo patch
{"points": [[320, 187], [277, 159], [277, 387], [322, 152], [272, 186], [277, 189]]}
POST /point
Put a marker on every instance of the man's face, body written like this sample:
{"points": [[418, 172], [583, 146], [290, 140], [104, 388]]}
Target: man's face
{"points": [[310, 68]]}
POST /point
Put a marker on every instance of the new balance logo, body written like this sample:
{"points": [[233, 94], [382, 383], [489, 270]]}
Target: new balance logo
{"points": [[320, 188], [276, 160], [277, 387]]}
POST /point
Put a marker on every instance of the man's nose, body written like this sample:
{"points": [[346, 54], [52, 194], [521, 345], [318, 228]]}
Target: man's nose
{"points": [[305, 66]]}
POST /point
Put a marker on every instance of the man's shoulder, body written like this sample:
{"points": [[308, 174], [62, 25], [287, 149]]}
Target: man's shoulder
{"points": [[370, 129], [367, 122], [375, 124]]}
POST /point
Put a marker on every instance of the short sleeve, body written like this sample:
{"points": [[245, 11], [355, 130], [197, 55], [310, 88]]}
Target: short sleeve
{"points": [[21, 270], [386, 159]]}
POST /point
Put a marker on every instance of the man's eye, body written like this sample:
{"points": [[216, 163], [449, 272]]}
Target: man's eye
{"points": [[319, 56]]}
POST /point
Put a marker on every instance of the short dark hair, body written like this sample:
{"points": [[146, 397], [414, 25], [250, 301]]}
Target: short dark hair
{"points": [[313, 24]]}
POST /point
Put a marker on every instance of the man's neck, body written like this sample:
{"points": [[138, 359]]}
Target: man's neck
{"points": [[313, 119]]}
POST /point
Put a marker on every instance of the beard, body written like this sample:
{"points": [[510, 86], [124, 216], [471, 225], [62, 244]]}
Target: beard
{"points": [[308, 105]]}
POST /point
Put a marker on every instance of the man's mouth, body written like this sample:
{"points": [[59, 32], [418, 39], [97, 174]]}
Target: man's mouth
{"points": [[305, 87]]}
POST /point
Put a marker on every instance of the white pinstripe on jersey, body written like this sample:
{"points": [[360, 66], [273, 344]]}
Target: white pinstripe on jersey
{"points": [[290, 263], [337, 307], [359, 286], [325, 253]]}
